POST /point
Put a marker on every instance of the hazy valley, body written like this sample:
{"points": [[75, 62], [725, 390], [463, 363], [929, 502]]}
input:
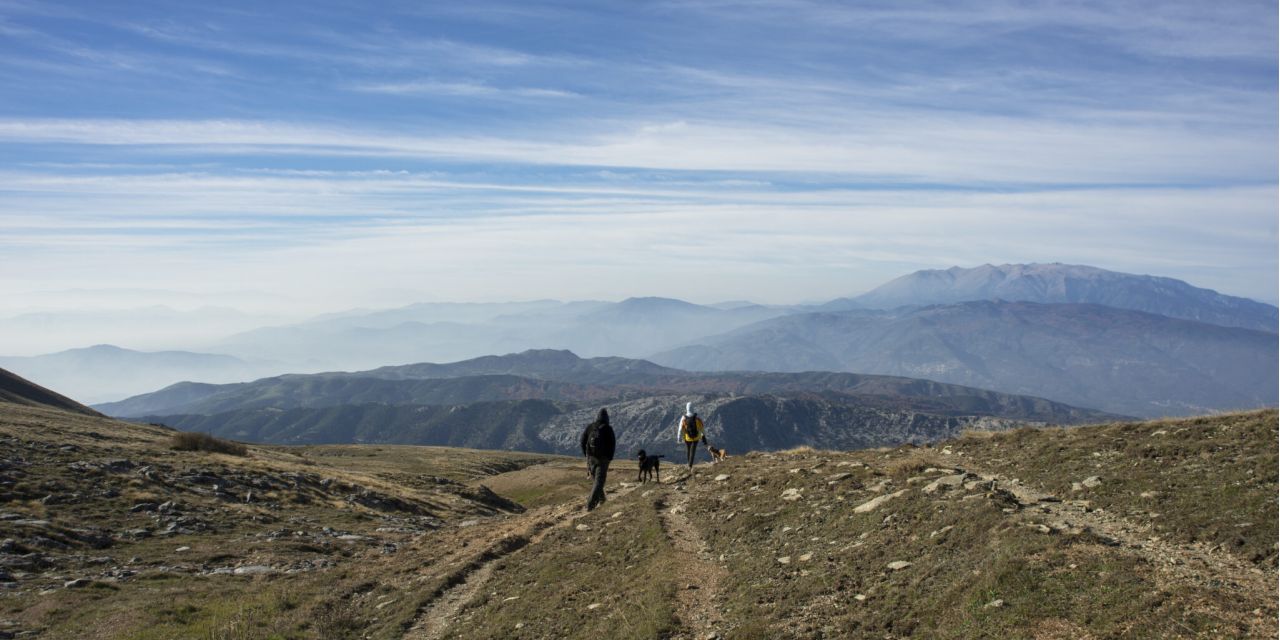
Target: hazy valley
{"points": [[1121, 343]]}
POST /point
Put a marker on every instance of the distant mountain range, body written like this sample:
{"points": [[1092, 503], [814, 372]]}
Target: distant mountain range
{"points": [[740, 423], [1064, 283], [563, 376], [106, 372], [441, 332], [481, 403], [1123, 343], [1083, 354]]}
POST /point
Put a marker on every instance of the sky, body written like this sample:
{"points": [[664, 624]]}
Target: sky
{"points": [[301, 157]]}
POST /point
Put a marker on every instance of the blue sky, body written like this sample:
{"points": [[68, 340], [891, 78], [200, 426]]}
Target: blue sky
{"points": [[321, 155]]}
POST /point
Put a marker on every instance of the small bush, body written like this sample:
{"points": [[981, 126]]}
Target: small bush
{"points": [[193, 441]]}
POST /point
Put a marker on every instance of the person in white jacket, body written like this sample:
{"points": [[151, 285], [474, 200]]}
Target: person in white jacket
{"points": [[690, 432]]}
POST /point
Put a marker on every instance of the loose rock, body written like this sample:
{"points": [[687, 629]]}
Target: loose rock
{"points": [[875, 503], [253, 570], [944, 483]]}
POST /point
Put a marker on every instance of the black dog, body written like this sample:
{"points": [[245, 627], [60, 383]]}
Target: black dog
{"points": [[648, 467]]}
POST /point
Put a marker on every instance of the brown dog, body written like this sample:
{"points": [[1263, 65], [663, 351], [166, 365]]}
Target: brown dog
{"points": [[717, 455]]}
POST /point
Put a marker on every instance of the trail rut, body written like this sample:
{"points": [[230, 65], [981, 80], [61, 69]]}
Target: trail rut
{"points": [[699, 591], [1187, 563], [463, 584]]}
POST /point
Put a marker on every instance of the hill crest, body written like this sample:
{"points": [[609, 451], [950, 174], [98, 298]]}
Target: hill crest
{"points": [[15, 389]]}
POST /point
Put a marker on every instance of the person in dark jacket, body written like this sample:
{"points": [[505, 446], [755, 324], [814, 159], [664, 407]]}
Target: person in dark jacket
{"points": [[597, 445]]}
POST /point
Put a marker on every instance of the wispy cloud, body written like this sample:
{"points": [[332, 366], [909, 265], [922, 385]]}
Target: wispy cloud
{"points": [[928, 147], [467, 89], [782, 148]]}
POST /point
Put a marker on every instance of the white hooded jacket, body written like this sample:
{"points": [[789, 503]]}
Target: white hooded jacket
{"points": [[688, 413]]}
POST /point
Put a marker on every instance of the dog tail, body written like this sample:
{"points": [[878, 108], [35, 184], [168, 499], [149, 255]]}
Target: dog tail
{"points": [[660, 455]]}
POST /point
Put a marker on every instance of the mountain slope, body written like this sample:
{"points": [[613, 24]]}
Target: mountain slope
{"points": [[546, 413], [980, 537], [1062, 283], [109, 532], [1087, 355], [324, 390], [761, 421], [15, 389], [1161, 529]]}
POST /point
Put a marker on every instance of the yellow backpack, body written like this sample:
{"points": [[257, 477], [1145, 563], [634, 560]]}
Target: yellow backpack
{"points": [[691, 428]]}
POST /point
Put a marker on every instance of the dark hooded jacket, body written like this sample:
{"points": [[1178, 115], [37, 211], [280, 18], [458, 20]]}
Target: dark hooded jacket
{"points": [[597, 439]]}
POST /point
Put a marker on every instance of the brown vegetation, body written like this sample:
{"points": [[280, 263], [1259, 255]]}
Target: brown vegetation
{"points": [[196, 441]]}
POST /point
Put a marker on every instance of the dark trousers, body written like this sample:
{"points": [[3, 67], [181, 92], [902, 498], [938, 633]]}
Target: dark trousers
{"points": [[691, 451], [599, 469]]}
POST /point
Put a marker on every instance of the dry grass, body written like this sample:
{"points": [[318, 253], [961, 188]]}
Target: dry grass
{"points": [[967, 551], [196, 441], [616, 579], [1210, 479], [969, 547], [320, 586]]}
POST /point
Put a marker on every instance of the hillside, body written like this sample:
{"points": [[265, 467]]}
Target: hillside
{"points": [[754, 422], [111, 533], [1161, 529], [545, 412], [16, 390], [1116, 360], [561, 375], [324, 390], [1064, 283]]}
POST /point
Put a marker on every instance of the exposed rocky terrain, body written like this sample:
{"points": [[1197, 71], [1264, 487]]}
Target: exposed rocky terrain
{"points": [[758, 422], [540, 400], [561, 375], [975, 538], [1162, 529], [106, 531]]}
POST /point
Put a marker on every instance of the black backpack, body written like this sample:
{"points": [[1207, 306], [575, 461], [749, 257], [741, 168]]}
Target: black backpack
{"points": [[691, 426]]}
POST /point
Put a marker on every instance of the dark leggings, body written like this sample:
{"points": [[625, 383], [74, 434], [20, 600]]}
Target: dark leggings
{"points": [[691, 451], [599, 469]]}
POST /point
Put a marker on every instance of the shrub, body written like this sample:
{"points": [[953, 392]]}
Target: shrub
{"points": [[195, 441]]}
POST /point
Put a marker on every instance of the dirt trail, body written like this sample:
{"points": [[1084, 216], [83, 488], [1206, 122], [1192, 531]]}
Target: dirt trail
{"points": [[698, 589], [463, 585], [1186, 563]]}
